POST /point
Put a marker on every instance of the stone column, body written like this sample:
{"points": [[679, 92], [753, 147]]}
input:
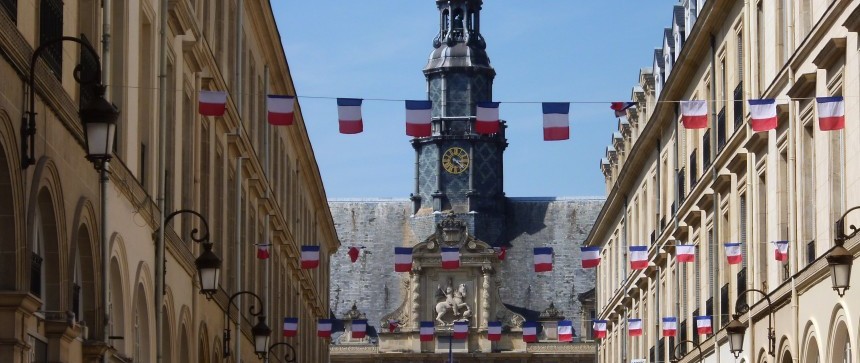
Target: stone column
{"points": [[486, 275], [16, 309], [415, 296]]}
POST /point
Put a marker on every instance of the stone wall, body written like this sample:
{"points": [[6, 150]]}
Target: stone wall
{"points": [[381, 225]]}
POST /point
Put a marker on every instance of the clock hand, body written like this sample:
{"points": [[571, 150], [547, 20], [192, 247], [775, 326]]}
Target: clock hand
{"points": [[457, 161]]}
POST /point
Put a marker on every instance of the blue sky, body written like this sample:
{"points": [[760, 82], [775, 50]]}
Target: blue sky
{"points": [[542, 50]]}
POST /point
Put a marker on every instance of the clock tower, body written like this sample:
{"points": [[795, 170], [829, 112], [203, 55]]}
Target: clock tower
{"points": [[457, 170]]}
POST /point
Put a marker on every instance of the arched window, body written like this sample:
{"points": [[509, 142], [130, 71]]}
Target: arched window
{"points": [[140, 327], [37, 256], [77, 283], [116, 307]]}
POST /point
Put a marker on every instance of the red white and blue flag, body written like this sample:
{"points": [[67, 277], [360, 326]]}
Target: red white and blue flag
{"points": [[831, 113], [780, 252], [530, 332], [599, 327], [634, 327], [280, 109], [310, 257], [556, 121], [501, 252], [762, 114], [670, 326], [393, 324], [324, 328], [543, 259], [694, 114], [419, 118], [733, 253], [494, 331], [565, 331], [461, 329], [212, 103], [621, 108], [359, 329], [349, 115], [263, 251], [638, 257], [487, 118], [402, 259], [427, 331], [291, 327], [685, 253], [703, 325], [450, 258], [590, 257]]}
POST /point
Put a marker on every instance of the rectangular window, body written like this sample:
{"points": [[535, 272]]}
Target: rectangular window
{"points": [[782, 36], [807, 144], [11, 7], [693, 170], [783, 196], [742, 286], [810, 252], [706, 150], [722, 129], [760, 46], [761, 224], [738, 110], [51, 28], [724, 305]]}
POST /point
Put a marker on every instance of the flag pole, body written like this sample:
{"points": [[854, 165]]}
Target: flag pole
{"points": [[267, 266]]}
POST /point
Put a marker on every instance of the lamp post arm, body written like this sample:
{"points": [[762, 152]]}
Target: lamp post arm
{"points": [[28, 125], [252, 310], [841, 237], [680, 344], [194, 232], [290, 356], [743, 309]]}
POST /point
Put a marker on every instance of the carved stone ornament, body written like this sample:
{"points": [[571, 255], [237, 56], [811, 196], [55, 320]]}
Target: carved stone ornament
{"points": [[551, 313], [451, 304], [354, 314], [451, 232]]}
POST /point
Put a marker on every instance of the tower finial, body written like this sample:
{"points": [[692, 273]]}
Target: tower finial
{"points": [[460, 21]]}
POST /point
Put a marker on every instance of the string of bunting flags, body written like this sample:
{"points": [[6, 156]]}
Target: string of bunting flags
{"points": [[556, 115]]}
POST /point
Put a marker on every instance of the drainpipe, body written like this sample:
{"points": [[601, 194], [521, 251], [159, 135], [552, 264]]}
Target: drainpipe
{"points": [[103, 180], [238, 267], [624, 268], [267, 266], [715, 215], [162, 163]]}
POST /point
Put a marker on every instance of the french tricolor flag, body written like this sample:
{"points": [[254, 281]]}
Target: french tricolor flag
{"points": [[494, 331], [324, 328], [694, 114], [733, 253], [599, 327], [590, 257], [212, 103], [280, 109], [638, 257], [621, 108], [501, 252], [349, 115], [703, 325], [831, 113], [402, 259], [530, 332], [291, 327], [427, 330], [685, 253], [556, 121], [450, 258], [780, 252], [634, 327], [543, 259], [359, 329], [487, 118], [670, 326], [310, 257], [762, 114], [263, 251], [565, 331], [461, 329], [419, 118]]}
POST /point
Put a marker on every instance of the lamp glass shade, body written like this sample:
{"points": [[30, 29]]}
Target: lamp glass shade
{"points": [[261, 334], [840, 261], [209, 270], [736, 331], [100, 139]]}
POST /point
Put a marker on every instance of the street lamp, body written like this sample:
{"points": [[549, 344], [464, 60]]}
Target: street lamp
{"points": [[290, 356], [676, 358], [99, 116], [839, 258], [208, 264], [736, 329], [261, 331]]}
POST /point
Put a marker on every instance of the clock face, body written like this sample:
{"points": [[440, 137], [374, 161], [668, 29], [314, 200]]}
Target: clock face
{"points": [[455, 160]]}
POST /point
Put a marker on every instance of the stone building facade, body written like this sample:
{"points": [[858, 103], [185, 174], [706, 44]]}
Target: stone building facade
{"points": [[667, 185], [249, 181], [467, 192]]}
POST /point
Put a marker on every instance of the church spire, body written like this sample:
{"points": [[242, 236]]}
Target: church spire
{"points": [[460, 21]]}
